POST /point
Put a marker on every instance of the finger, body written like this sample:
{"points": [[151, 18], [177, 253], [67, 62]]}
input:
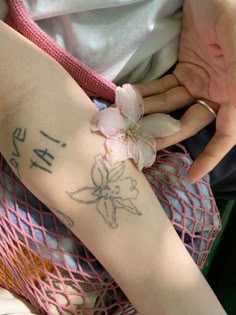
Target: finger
{"points": [[194, 119], [217, 148], [221, 143], [169, 101], [157, 86]]}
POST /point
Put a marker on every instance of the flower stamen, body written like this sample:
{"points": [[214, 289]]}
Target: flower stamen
{"points": [[135, 141], [131, 119], [140, 119]]}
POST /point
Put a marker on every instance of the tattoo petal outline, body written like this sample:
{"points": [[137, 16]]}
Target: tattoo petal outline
{"points": [[116, 173], [84, 195], [127, 205], [130, 192], [99, 172], [111, 191], [107, 210]]}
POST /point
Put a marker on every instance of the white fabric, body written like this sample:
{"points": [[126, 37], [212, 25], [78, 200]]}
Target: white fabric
{"points": [[123, 40]]}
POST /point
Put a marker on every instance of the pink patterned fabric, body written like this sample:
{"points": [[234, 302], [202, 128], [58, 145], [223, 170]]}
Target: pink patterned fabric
{"points": [[41, 260]]}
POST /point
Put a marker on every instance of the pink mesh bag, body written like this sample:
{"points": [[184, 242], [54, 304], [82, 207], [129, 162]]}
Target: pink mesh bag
{"points": [[42, 261], [191, 208]]}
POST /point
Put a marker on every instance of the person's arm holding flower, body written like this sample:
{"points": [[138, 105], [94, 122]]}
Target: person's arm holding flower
{"points": [[46, 138]]}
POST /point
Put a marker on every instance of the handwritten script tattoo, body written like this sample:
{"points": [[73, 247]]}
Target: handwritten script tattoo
{"points": [[63, 144], [111, 191], [63, 217], [45, 158], [18, 136]]}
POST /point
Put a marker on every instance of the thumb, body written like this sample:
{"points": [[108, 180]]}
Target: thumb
{"points": [[226, 34], [231, 83]]}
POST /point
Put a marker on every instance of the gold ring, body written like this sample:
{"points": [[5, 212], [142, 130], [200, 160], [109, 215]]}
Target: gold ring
{"points": [[207, 106]]}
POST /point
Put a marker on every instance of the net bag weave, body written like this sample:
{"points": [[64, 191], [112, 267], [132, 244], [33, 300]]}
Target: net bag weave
{"points": [[42, 261], [191, 208]]}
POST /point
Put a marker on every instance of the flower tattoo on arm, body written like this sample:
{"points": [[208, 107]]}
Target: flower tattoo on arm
{"points": [[111, 191]]}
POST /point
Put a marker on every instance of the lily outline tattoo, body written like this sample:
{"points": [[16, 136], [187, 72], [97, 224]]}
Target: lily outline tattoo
{"points": [[111, 191]]}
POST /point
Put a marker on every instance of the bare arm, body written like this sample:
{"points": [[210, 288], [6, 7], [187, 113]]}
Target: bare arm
{"points": [[46, 139]]}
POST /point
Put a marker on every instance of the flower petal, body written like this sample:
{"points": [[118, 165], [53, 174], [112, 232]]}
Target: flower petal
{"points": [[117, 150], [126, 205], [84, 195], [147, 151], [158, 125], [99, 171], [141, 149], [109, 121], [107, 210], [133, 150], [130, 103]]}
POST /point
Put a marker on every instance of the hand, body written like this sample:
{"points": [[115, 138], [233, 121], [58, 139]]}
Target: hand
{"points": [[206, 70], [57, 157]]}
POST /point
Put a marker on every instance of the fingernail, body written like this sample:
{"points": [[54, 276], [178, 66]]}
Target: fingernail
{"points": [[191, 179]]}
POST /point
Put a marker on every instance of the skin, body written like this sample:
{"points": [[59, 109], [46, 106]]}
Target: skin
{"points": [[140, 249], [206, 70]]}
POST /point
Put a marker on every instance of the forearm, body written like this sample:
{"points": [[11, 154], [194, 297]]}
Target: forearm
{"points": [[47, 141]]}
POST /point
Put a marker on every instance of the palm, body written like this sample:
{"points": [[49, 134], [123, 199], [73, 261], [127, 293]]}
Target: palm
{"points": [[202, 66], [206, 70]]}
